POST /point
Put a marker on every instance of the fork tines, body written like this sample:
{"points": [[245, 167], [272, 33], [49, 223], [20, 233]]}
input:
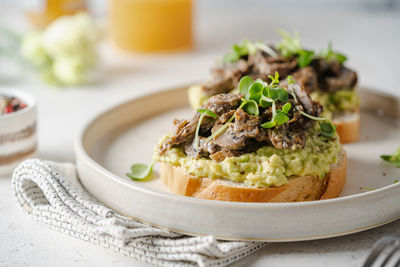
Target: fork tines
{"points": [[385, 253]]}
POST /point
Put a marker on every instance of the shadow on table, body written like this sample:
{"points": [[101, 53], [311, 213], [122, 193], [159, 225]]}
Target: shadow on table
{"points": [[358, 243]]}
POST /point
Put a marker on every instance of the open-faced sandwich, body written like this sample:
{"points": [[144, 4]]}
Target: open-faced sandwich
{"points": [[323, 76], [266, 143]]}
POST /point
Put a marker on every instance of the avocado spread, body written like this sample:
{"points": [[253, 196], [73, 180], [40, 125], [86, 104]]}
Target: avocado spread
{"points": [[339, 101], [268, 166]]}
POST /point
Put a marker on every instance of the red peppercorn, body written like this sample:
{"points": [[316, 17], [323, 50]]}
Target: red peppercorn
{"points": [[10, 104], [8, 109]]}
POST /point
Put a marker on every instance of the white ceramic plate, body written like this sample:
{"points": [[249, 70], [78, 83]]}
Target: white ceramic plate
{"points": [[126, 134]]}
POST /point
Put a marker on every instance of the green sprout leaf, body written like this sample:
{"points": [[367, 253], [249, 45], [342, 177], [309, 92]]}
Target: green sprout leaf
{"points": [[239, 50], [312, 117], [341, 58], [286, 108], [268, 124], [265, 102], [290, 79], [266, 49], [271, 93], [207, 112], [278, 93], [231, 57], [140, 172], [251, 107], [256, 91], [282, 94], [393, 159], [248, 47], [328, 129], [289, 46], [274, 79], [272, 122], [245, 48], [244, 85], [280, 118], [305, 58], [330, 55]]}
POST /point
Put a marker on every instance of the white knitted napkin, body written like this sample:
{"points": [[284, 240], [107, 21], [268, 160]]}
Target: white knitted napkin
{"points": [[52, 195]]}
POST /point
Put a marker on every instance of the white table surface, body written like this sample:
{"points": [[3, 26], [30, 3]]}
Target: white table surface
{"points": [[370, 38]]}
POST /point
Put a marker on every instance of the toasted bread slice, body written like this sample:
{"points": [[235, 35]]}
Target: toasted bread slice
{"points": [[298, 188], [348, 127]]}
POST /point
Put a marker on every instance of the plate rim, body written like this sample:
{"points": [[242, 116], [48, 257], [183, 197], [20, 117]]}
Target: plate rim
{"points": [[272, 240], [80, 150]]}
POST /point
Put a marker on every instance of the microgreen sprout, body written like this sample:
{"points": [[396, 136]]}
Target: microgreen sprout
{"points": [[245, 48], [267, 49], [244, 85], [393, 159], [220, 130], [327, 128], [273, 109], [290, 46], [274, 79], [261, 94], [255, 91], [286, 108], [312, 117], [279, 116], [290, 81], [203, 112], [305, 58], [265, 102], [396, 181], [250, 106], [330, 55], [140, 172], [238, 50]]}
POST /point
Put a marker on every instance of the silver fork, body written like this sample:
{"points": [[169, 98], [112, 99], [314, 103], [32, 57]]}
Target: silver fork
{"points": [[384, 249]]}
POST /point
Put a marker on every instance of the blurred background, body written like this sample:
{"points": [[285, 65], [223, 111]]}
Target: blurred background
{"points": [[126, 48], [200, 31]]}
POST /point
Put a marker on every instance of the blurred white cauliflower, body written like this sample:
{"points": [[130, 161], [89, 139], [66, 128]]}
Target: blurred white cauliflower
{"points": [[33, 50], [65, 51], [69, 70]]}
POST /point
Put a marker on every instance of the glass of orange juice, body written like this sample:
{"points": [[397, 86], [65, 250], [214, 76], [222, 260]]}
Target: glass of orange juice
{"points": [[151, 25]]}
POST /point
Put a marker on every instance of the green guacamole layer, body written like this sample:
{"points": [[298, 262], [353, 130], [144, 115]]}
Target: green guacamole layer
{"points": [[266, 167], [340, 101]]}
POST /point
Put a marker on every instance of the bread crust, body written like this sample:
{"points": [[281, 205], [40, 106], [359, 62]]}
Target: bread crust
{"points": [[298, 188], [348, 127]]}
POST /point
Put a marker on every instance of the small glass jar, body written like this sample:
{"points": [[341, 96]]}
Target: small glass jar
{"points": [[18, 139]]}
